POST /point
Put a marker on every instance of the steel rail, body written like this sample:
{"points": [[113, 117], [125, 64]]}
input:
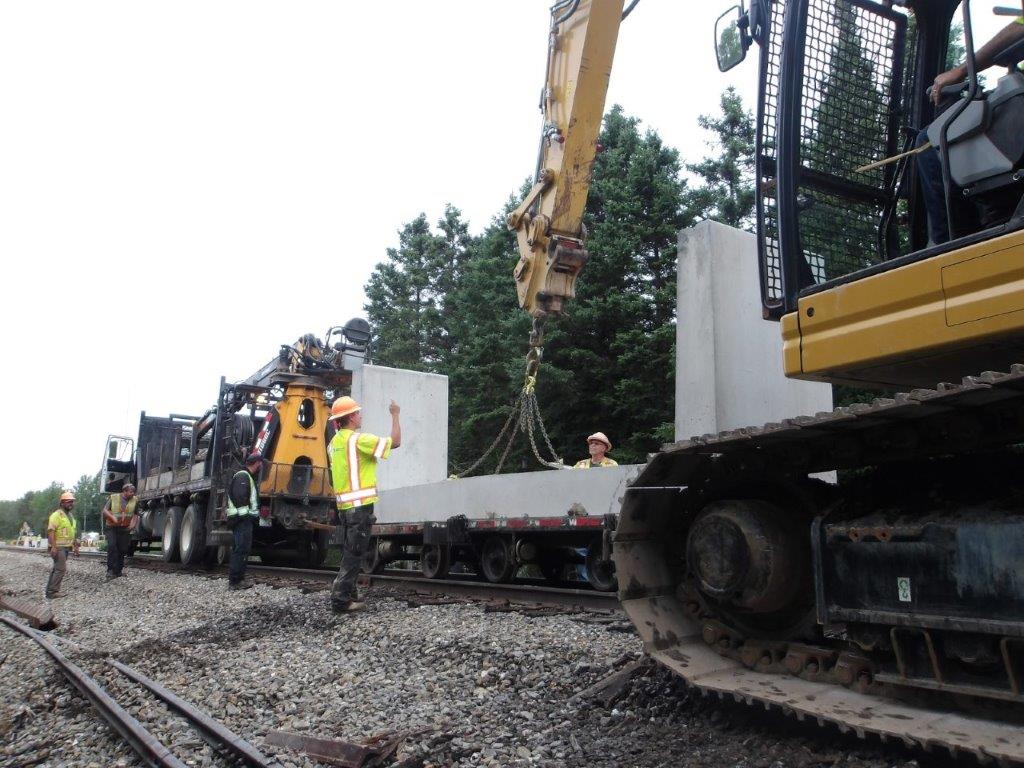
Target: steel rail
{"points": [[211, 729], [562, 597], [149, 748]]}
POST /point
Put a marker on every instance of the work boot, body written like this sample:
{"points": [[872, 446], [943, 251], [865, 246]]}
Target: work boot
{"points": [[55, 595], [110, 575], [352, 607], [241, 585]]}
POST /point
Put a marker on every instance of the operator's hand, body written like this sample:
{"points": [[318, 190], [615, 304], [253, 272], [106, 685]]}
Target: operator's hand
{"points": [[75, 549], [949, 77], [393, 409], [52, 551]]}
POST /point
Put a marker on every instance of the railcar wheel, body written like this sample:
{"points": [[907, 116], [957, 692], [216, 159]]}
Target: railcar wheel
{"points": [[375, 561], [171, 542], [600, 573], [434, 560], [193, 536], [223, 554], [497, 561]]}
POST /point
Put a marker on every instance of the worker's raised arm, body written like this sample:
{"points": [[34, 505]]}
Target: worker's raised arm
{"points": [[549, 222], [396, 428]]}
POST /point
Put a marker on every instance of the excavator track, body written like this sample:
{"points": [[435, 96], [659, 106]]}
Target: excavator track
{"points": [[822, 683]]}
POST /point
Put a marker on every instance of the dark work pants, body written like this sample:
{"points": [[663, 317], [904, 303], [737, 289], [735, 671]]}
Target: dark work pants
{"points": [[929, 171], [240, 548], [60, 566], [119, 541], [355, 541]]}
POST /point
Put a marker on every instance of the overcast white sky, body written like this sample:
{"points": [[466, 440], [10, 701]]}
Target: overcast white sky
{"points": [[184, 186]]}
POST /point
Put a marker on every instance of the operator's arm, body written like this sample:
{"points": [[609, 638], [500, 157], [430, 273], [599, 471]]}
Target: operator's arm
{"points": [[1003, 39], [549, 222], [396, 428], [51, 538]]}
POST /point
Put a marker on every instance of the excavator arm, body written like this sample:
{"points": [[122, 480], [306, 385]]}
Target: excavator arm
{"points": [[549, 222]]}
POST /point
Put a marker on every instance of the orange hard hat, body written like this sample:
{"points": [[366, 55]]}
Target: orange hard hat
{"points": [[67, 496], [343, 406], [601, 437]]}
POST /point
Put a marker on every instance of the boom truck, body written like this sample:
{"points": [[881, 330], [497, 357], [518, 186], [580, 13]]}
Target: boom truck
{"points": [[182, 465], [885, 601]]}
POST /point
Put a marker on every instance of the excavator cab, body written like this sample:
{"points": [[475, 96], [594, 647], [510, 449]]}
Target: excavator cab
{"points": [[866, 297]]}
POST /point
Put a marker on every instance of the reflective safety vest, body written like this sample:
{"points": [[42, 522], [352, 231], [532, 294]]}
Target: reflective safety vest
{"points": [[63, 526], [122, 512], [253, 508], [354, 457], [588, 463]]}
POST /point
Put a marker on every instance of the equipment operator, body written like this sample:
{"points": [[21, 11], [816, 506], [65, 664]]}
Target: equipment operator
{"points": [[354, 456], [598, 445], [121, 519], [929, 165], [243, 509], [62, 536]]}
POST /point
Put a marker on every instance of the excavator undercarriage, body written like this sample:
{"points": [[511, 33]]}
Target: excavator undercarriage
{"points": [[750, 579]]}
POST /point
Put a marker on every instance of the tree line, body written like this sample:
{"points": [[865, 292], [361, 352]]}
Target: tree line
{"points": [[443, 299], [34, 507]]}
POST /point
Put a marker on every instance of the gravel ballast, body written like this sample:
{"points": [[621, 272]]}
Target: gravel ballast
{"points": [[472, 688]]}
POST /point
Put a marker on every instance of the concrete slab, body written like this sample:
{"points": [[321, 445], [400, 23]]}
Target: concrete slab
{"points": [[729, 359], [548, 493], [423, 397]]}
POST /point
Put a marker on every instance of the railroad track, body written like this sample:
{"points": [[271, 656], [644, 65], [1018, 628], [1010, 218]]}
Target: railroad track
{"points": [[396, 583], [150, 749]]}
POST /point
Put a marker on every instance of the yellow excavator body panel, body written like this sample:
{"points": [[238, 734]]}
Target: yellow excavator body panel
{"points": [[937, 319]]}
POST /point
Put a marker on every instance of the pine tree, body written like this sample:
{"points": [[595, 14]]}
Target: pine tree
{"points": [[609, 361], [727, 193], [407, 294]]}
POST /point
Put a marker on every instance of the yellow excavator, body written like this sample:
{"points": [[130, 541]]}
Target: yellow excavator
{"points": [[889, 603]]}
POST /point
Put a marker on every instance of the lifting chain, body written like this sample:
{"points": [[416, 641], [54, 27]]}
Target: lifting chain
{"points": [[525, 414]]}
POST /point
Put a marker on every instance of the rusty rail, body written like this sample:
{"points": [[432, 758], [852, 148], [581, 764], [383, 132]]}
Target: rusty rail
{"points": [[152, 751], [149, 748], [200, 720]]}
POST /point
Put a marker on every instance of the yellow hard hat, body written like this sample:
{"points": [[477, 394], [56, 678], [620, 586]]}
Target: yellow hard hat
{"points": [[67, 496], [343, 406], [601, 437]]}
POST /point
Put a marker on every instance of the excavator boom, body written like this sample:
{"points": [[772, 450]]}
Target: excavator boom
{"points": [[549, 222]]}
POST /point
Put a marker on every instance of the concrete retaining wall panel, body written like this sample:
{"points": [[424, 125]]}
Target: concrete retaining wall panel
{"points": [[728, 358], [423, 398]]}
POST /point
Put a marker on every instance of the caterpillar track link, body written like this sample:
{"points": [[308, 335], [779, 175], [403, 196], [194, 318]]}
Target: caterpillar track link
{"points": [[806, 663]]}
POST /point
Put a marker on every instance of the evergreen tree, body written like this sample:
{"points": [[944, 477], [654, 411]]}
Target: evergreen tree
{"points": [[408, 295], [609, 361], [727, 193], [487, 366]]}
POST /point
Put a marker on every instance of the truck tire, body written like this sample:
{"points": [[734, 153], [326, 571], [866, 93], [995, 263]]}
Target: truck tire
{"points": [[497, 561], [193, 536], [171, 542]]}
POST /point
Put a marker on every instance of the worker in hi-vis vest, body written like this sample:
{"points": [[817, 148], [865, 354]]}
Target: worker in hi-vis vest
{"points": [[242, 510], [598, 445], [120, 519], [354, 456], [62, 537]]}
